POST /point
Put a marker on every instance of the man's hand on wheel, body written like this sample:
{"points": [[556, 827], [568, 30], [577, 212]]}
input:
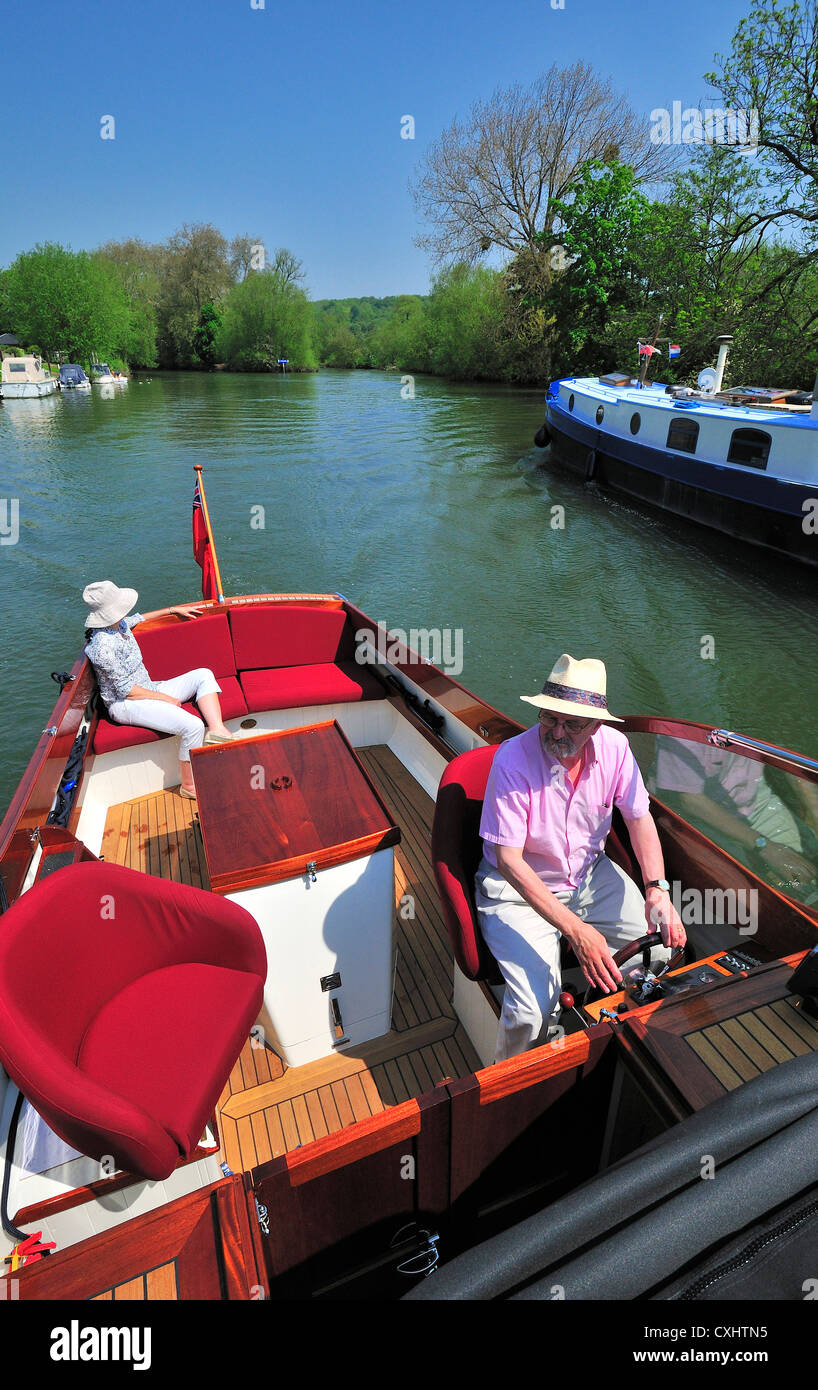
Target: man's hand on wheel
{"points": [[661, 915], [594, 955]]}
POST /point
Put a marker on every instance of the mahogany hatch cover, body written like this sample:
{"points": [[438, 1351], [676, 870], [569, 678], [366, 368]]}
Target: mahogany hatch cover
{"points": [[257, 829]]}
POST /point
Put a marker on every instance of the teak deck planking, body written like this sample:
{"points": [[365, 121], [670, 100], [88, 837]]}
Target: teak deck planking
{"points": [[267, 1109]]}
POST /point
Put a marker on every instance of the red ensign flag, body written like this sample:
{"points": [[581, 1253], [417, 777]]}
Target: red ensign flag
{"points": [[201, 547]]}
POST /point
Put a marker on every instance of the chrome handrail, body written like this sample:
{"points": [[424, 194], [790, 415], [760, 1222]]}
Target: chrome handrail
{"points": [[723, 738]]}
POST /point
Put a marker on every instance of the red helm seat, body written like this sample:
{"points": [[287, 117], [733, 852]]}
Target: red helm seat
{"points": [[125, 1001], [456, 853]]}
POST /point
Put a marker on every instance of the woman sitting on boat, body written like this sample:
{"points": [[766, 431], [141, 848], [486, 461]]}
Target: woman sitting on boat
{"points": [[127, 689]]}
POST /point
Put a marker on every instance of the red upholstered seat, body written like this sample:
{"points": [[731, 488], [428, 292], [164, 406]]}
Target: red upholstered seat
{"points": [[110, 736], [172, 1012], [286, 655], [291, 686], [291, 654], [178, 645], [124, 1003], [182, 645], [290, 634], [456, 853]]}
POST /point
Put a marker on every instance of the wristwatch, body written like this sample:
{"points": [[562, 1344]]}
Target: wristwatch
{"points": [[658, 883]]}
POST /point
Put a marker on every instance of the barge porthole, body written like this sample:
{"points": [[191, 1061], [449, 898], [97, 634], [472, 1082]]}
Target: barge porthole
{"points": [[636, 421], [571, 401], [600, 414]]}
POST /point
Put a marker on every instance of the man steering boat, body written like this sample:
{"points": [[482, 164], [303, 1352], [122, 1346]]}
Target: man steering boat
{"points": [[544, 873]]}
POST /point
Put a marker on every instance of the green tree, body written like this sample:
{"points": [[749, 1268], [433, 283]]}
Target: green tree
{"points": [[205, 335], [66, 301], [139, 267], [401, 341], [265, 318], [463, 315], [772, 71], [196, 272]]}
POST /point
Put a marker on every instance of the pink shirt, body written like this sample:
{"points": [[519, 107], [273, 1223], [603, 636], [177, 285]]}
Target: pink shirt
{"points": [[531, 805]]}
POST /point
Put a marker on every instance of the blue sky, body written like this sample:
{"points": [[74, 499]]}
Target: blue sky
{"points": [[284, 122]]}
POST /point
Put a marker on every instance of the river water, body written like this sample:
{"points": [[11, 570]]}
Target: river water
{"points": [[432, 511]]}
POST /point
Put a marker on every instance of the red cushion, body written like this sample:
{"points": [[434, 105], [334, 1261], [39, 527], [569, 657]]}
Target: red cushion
{"points": [[289, 634], [179, 646], [77, 942], [167, 1041], [110, 737], [325, 684], [232, 701], [456, 853]]}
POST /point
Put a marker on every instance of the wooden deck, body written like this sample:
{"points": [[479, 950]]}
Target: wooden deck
{"points": [[267, 1108], [158, 835]]}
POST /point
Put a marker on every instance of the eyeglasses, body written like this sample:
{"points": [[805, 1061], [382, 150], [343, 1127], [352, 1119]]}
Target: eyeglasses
{"points": [[573, 726]]}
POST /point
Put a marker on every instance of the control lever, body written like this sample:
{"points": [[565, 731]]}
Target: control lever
{"points": [[337, 1023]]}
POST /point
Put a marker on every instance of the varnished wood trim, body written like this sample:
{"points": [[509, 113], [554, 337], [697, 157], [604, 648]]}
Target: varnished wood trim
{"points": [[357, 1141], [436, 685], [38, 785], [530, 1068], [611, 1001], [144, 1242], [237, 880]]}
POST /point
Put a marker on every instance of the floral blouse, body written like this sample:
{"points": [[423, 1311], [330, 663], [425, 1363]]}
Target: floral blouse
{"points": [[117, 660]]}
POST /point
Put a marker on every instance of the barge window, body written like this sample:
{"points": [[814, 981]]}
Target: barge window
{"points": [[17, 366], [571, 401], [683, 435], [636, 421], [750, 448]]}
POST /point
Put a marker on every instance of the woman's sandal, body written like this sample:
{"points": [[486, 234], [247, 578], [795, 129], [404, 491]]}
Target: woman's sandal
{"points": [[218, 738], [183, 791]]}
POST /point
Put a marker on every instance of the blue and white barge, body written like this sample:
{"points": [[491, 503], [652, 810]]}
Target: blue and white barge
{"points": [[749, 470]]}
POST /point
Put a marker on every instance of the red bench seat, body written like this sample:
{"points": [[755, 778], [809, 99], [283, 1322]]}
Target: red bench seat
{"points": [[326, 683], [174, 646], [289, 655], [271, 656], [110, 737]]}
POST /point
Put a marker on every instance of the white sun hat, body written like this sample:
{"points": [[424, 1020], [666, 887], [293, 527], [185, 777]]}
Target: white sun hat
{"points": [[108, 604], [577, 689]]}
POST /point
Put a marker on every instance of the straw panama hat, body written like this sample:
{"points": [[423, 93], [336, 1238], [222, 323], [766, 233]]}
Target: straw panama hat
{"points": [[108, 604], [575, 688]]}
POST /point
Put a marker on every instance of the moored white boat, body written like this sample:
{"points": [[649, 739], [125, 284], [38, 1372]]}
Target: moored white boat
{"points": [[73, 378], [101, 375], [25, 377]]}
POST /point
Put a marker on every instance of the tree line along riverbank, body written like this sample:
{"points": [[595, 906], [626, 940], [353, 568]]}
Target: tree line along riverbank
{"points": [[565, 227]]}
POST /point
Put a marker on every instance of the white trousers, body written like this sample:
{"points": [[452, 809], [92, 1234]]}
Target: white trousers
{"points": [[170, 719], [527, 948]]}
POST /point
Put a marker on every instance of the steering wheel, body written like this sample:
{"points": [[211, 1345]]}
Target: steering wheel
{"points": [[645, 945]]}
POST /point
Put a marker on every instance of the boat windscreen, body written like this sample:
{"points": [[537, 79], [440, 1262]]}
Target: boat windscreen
{"points": [[762, 815]]}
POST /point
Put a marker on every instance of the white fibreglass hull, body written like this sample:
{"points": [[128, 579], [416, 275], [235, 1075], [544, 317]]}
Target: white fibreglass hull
{"points": [[26, 389]]}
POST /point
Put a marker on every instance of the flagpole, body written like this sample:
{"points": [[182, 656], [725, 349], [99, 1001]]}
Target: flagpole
{"points": [[206, 514], [648, 355]]}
